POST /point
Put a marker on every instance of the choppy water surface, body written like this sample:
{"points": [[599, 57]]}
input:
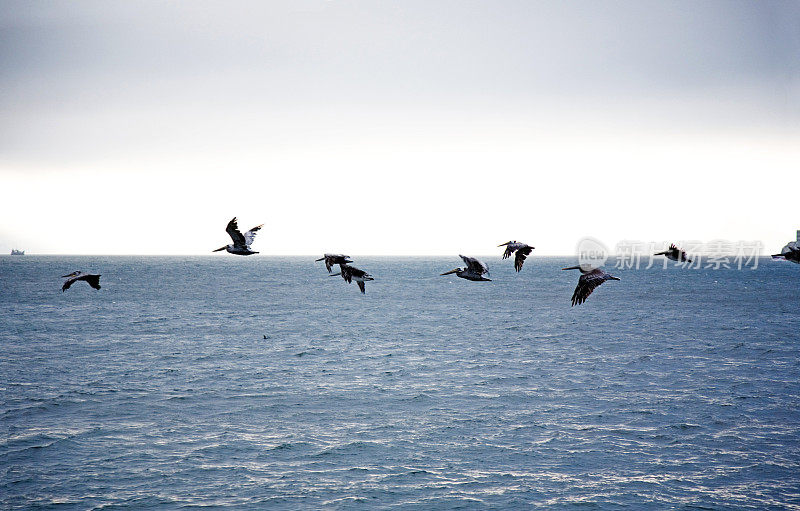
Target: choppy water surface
{"points": [[262, 383]]}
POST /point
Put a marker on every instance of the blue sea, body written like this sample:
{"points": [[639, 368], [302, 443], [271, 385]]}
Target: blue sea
{"points": [[262, 383]]}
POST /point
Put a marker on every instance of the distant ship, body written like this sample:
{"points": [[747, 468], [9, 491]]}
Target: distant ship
{"points": [[14, 251]]}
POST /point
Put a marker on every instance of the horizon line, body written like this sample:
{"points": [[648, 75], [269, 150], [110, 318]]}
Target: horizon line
{"points": [[261, 255], [610, 255]]}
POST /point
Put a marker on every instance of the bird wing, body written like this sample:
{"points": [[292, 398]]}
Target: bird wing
{"points": [[355, 272], [586, 284], [331, 259], [790, 252], [347, 272], [235, 234], [522, 253], [512, 247], [92, 280], [68, 283], [790, 247], [250, 235], [362, 287], [474, 265]]}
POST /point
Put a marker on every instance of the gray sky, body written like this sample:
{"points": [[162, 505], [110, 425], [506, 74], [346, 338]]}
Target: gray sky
{"points": [[396, 127]]}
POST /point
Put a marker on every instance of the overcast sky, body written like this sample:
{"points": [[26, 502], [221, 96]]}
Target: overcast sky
{"points": [[402, 127]]}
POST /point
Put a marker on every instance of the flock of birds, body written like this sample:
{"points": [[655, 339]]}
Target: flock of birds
{"points": [[475, 269]]}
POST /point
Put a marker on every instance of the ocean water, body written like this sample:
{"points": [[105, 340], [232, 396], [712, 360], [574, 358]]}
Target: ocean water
{"points": [[262, 383]]}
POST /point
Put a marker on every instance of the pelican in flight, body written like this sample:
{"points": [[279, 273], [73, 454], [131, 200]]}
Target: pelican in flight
{"points": [[590, 279], [675, 254], [523, 250], [351, 273], [790, 252], [331, 259], [92, 279], [241, 242], [474, 271]]}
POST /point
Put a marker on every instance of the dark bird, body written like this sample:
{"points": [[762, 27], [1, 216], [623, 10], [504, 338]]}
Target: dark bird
{"points": [[590, 279], [351, 273], [790, 252], [241, 242], [675, 254], [474, 271], [331, 259], [523, 250], [92, 279]]}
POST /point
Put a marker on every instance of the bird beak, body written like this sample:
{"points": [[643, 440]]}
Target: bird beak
{"points": [[449, 272], [572, 268], [502, 244], [222, 248], [335, 274], [320, 259], [70, 275], [613, 278]]}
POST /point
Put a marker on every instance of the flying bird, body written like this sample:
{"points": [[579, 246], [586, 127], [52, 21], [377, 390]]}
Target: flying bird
{"points": [[790, 252], [331, 259], [675, 254], [474, 271], [590, 279], [351, 273], [241, 242], [523, 250], [92, 279]]}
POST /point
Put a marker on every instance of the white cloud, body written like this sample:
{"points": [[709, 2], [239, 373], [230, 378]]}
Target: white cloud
{"points": [[385, 128]]}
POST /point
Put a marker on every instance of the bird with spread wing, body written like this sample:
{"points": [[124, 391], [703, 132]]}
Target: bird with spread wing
{"points": [[523, 250], [241, 242], [590, 278], [475, 270], [351, 273], [92, 279]]}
